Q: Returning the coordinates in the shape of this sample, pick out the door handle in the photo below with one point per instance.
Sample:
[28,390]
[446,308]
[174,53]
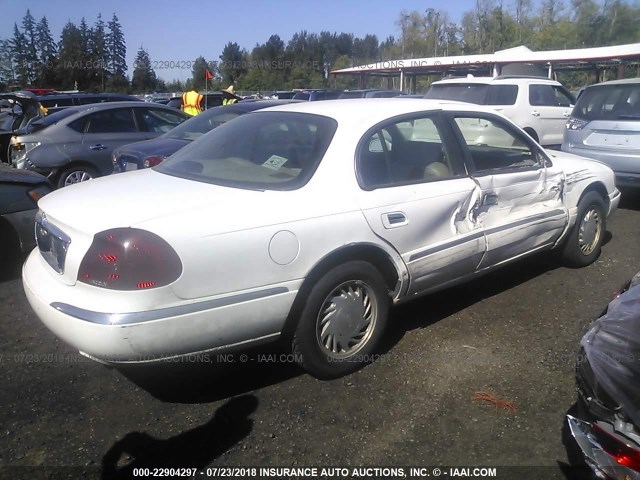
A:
[490,199]
[98,146]
[566,114]
[535,113]
[394,219]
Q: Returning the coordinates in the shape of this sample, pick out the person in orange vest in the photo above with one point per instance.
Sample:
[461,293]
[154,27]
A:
[229,96]
[192,102]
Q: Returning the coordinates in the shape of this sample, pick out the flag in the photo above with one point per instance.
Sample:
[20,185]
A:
[208,75]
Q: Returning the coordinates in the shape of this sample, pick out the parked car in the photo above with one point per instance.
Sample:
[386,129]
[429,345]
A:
[606,422]
[17,111]
[315,95]
[56,101]
[538,105]
[150,153]
[19,193]
[76,144]
[370,93]
[304,222]
[605,125]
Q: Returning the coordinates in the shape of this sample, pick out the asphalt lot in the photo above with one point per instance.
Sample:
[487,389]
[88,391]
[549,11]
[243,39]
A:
[514,333]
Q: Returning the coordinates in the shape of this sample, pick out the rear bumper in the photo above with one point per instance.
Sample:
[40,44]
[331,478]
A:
[123,336]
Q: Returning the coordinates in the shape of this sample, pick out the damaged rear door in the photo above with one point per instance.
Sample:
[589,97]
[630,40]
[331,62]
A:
[521,208]
[416,195]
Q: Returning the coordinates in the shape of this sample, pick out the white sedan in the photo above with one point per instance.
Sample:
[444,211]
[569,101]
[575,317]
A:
[305,222]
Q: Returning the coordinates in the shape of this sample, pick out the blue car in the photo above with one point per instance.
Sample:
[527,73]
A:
[150,153]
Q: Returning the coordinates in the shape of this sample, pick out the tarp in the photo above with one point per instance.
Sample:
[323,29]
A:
[612,346]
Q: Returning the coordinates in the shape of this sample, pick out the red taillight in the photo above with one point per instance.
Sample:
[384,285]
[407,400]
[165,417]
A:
[129,259]
[152,161]
[620,451]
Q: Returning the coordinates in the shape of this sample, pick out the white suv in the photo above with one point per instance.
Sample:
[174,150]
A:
[540,106]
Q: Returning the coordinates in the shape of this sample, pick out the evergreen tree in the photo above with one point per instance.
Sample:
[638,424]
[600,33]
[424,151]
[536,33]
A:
[144,77]
[99,54]
[19,56]
[47,55]
[232,67]
[116,53]
[199,68]
[7,72]
[71,58]
[30,52]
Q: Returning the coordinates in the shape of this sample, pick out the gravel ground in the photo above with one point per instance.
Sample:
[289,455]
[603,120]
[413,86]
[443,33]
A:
[514,333]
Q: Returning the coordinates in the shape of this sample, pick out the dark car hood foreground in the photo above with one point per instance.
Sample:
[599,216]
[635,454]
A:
[9,174]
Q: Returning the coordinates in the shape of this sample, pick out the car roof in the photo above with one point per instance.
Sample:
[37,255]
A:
[373,110]
[110,105]
[624,81]
[488,80]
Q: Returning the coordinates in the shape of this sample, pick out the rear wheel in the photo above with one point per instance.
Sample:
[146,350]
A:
[76,174]
[342,321]
[584,243]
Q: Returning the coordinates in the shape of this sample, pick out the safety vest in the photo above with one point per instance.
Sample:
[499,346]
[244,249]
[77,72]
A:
[191,102]
[229,101]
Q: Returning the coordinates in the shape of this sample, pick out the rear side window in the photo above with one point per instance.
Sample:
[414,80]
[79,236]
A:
[502,95]
[549,96]
[112,121]
[609,102]
[403,152]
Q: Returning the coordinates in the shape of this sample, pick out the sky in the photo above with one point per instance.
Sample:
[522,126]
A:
[179,32]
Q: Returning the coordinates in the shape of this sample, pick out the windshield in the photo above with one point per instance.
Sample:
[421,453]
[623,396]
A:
[263,151]
[201,124]
[609,102]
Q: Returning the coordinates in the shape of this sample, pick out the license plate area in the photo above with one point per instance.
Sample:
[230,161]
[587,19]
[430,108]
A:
[52,242]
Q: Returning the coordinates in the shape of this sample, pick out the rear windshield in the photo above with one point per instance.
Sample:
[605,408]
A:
[478,93]
[54,117]
[609,102]
[260,151]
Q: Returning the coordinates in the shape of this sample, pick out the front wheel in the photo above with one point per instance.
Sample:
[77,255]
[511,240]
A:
[76,174]
[342,321]
[584,243]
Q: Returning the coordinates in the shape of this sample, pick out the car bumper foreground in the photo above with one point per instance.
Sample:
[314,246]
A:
[216,324]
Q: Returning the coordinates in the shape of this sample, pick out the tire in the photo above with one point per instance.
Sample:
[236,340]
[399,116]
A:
[342,321]
[584,243]
[76,174]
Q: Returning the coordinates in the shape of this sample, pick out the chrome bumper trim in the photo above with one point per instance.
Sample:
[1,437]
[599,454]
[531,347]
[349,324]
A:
[105,318]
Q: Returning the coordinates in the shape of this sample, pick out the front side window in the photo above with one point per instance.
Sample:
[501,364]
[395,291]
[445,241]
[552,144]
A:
[262,151]
[403,152]
[112,121]
[494,146]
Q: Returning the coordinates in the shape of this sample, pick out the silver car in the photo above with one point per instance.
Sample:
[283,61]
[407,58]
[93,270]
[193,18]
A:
[76,144]
[605,125]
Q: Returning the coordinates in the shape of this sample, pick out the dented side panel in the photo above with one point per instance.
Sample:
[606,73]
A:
[431,225]
[520,211]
